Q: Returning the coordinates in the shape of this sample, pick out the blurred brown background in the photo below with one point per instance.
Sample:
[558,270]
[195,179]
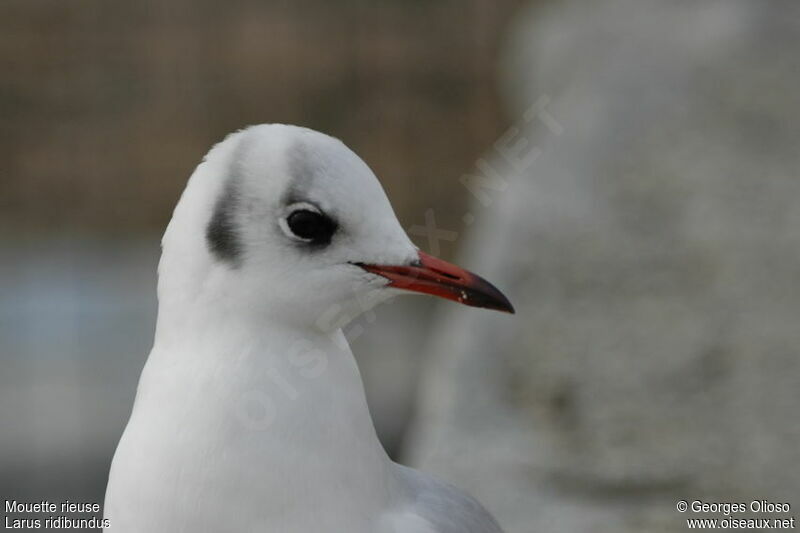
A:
[106,107]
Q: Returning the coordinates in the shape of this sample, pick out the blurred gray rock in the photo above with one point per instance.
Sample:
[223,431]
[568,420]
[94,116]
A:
[652,250]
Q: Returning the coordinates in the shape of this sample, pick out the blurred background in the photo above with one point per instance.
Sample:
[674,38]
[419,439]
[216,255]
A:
[625,170]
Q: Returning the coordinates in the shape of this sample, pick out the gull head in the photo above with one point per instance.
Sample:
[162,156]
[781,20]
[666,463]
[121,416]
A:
[288,222]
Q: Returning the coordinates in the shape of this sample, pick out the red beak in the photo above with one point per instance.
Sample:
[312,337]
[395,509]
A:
[440,278]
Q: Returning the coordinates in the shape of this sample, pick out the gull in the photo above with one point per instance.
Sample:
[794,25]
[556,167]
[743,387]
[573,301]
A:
[250,414]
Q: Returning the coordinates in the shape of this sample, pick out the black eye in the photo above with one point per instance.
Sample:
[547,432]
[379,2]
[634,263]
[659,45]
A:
[311,226]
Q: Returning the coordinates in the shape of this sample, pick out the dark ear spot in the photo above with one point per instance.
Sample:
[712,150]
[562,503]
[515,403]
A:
[221,232]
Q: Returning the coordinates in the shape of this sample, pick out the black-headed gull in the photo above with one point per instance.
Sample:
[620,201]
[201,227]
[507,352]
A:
[250,414]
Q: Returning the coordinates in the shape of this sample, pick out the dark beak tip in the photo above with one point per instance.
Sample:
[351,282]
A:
[487,297]
[502,304]
[490,297]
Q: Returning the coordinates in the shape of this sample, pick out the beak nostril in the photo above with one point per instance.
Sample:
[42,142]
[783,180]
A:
[447,274]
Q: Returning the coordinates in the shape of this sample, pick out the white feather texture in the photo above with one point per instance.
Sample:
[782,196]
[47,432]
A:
[250,414]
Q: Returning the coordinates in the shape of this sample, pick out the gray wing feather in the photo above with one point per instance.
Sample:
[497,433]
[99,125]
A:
[447,508]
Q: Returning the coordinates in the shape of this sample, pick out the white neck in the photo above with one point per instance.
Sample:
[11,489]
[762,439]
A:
[276,415]
[242,403]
